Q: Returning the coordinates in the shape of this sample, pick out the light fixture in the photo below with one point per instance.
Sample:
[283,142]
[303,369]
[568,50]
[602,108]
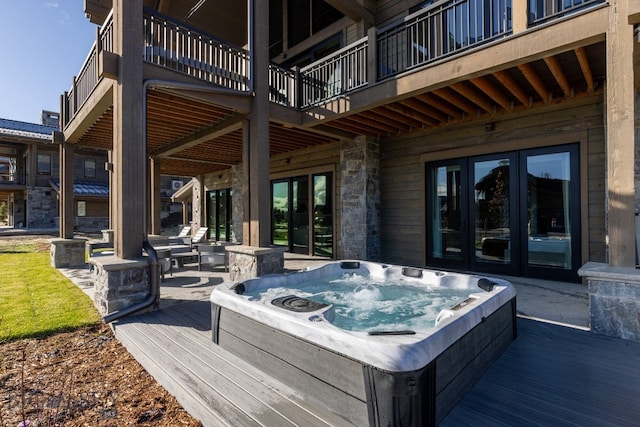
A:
[488,127]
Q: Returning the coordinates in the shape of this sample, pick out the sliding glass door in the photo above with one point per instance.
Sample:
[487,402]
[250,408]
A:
[513,213]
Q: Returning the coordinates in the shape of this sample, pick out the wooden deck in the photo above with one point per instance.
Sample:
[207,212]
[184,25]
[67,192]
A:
[550,375]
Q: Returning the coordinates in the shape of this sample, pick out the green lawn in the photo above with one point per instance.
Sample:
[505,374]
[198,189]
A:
[35,298]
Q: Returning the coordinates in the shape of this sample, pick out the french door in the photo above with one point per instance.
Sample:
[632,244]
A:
[302,212]
[514,213]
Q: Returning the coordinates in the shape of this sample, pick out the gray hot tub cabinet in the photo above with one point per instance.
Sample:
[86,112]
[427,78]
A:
[358,392]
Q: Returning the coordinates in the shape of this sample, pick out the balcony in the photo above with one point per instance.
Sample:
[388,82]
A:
[423,38]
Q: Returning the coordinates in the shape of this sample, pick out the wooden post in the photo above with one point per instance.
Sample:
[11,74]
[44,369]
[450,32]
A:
[520,12]
[128,147]
[258,178]
[372,55]
[66,191]
[154,193]
[620,136]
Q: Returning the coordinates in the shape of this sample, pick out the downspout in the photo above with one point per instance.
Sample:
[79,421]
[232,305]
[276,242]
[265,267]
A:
[154,297]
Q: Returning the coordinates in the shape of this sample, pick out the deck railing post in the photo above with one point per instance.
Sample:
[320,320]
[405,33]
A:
[372,55]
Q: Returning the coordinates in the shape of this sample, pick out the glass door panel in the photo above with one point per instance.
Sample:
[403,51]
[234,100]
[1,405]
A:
[492,210]
[212,220]
[300,214]
[280,212]
[446,244]
[549,210]
[323,215]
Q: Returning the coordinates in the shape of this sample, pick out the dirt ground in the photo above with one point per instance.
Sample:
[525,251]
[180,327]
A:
[81,378]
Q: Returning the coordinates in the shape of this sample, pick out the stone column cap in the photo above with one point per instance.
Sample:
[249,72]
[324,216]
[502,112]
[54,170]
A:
[255,250]
[605,271]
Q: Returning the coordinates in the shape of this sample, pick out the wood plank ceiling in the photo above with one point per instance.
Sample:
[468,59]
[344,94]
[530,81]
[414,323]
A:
[190,138]
[569,75]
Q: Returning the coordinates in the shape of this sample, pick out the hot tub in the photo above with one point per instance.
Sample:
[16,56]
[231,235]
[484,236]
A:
[380,375]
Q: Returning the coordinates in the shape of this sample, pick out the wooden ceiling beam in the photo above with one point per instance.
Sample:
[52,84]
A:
[559,75]
[485,85]
[228,125]
[440,104]
[512,86]
[535,81]
[372,114]
[383,127]
[425,109]
[392,113]
[475,96]
[456,100]
[340,124]
[412,114]
[581,54]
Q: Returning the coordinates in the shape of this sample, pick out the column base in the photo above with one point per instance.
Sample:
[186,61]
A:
[614,300]
[247,262]
[119,283]
[67,253]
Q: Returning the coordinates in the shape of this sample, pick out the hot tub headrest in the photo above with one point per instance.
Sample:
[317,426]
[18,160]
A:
[486,284]
[350,265]
[416,273]
[239,288]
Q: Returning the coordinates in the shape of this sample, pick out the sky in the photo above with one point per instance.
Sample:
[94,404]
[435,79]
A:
[43,44]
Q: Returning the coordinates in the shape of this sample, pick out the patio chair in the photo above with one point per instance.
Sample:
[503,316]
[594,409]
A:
[164,259]
[213,255]
[185,231]
[200,235]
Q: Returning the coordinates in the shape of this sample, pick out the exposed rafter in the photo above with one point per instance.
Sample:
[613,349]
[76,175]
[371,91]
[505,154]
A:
[536,82]
[558,74]
[581,54]
[512,86]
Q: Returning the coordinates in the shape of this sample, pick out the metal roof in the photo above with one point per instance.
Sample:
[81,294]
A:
[84,188]
[27,130]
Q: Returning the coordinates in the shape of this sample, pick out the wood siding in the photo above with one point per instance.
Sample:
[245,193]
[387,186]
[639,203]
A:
[402,209]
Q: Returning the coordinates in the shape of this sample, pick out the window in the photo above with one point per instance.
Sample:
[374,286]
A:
[89,168]
[219,215]
[44,164]
[82,208]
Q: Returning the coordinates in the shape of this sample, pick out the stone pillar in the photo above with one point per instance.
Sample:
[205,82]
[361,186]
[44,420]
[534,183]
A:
[197,205]
[65,253]
[247,262]
[236,203]
[119,283]
[360,199]
[614,300]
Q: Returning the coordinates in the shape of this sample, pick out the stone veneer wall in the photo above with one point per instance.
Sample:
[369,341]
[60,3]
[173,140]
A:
[247,262]
[42,207]
[360,199]
[614,300]
[236,203]
[119,283]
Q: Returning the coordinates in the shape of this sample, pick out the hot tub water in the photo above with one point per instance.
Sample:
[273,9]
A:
[373,304]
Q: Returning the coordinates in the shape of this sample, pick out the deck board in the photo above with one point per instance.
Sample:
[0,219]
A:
[175,346]
[550,375]
[555,375]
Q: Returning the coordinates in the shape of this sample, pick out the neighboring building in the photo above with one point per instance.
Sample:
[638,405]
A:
[494,136]
[29,178]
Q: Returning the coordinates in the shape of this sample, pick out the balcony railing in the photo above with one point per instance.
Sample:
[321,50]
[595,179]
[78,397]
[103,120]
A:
[185,50]
[428,35]
[541,11]
[87,78]
[440,31]
[342,72]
